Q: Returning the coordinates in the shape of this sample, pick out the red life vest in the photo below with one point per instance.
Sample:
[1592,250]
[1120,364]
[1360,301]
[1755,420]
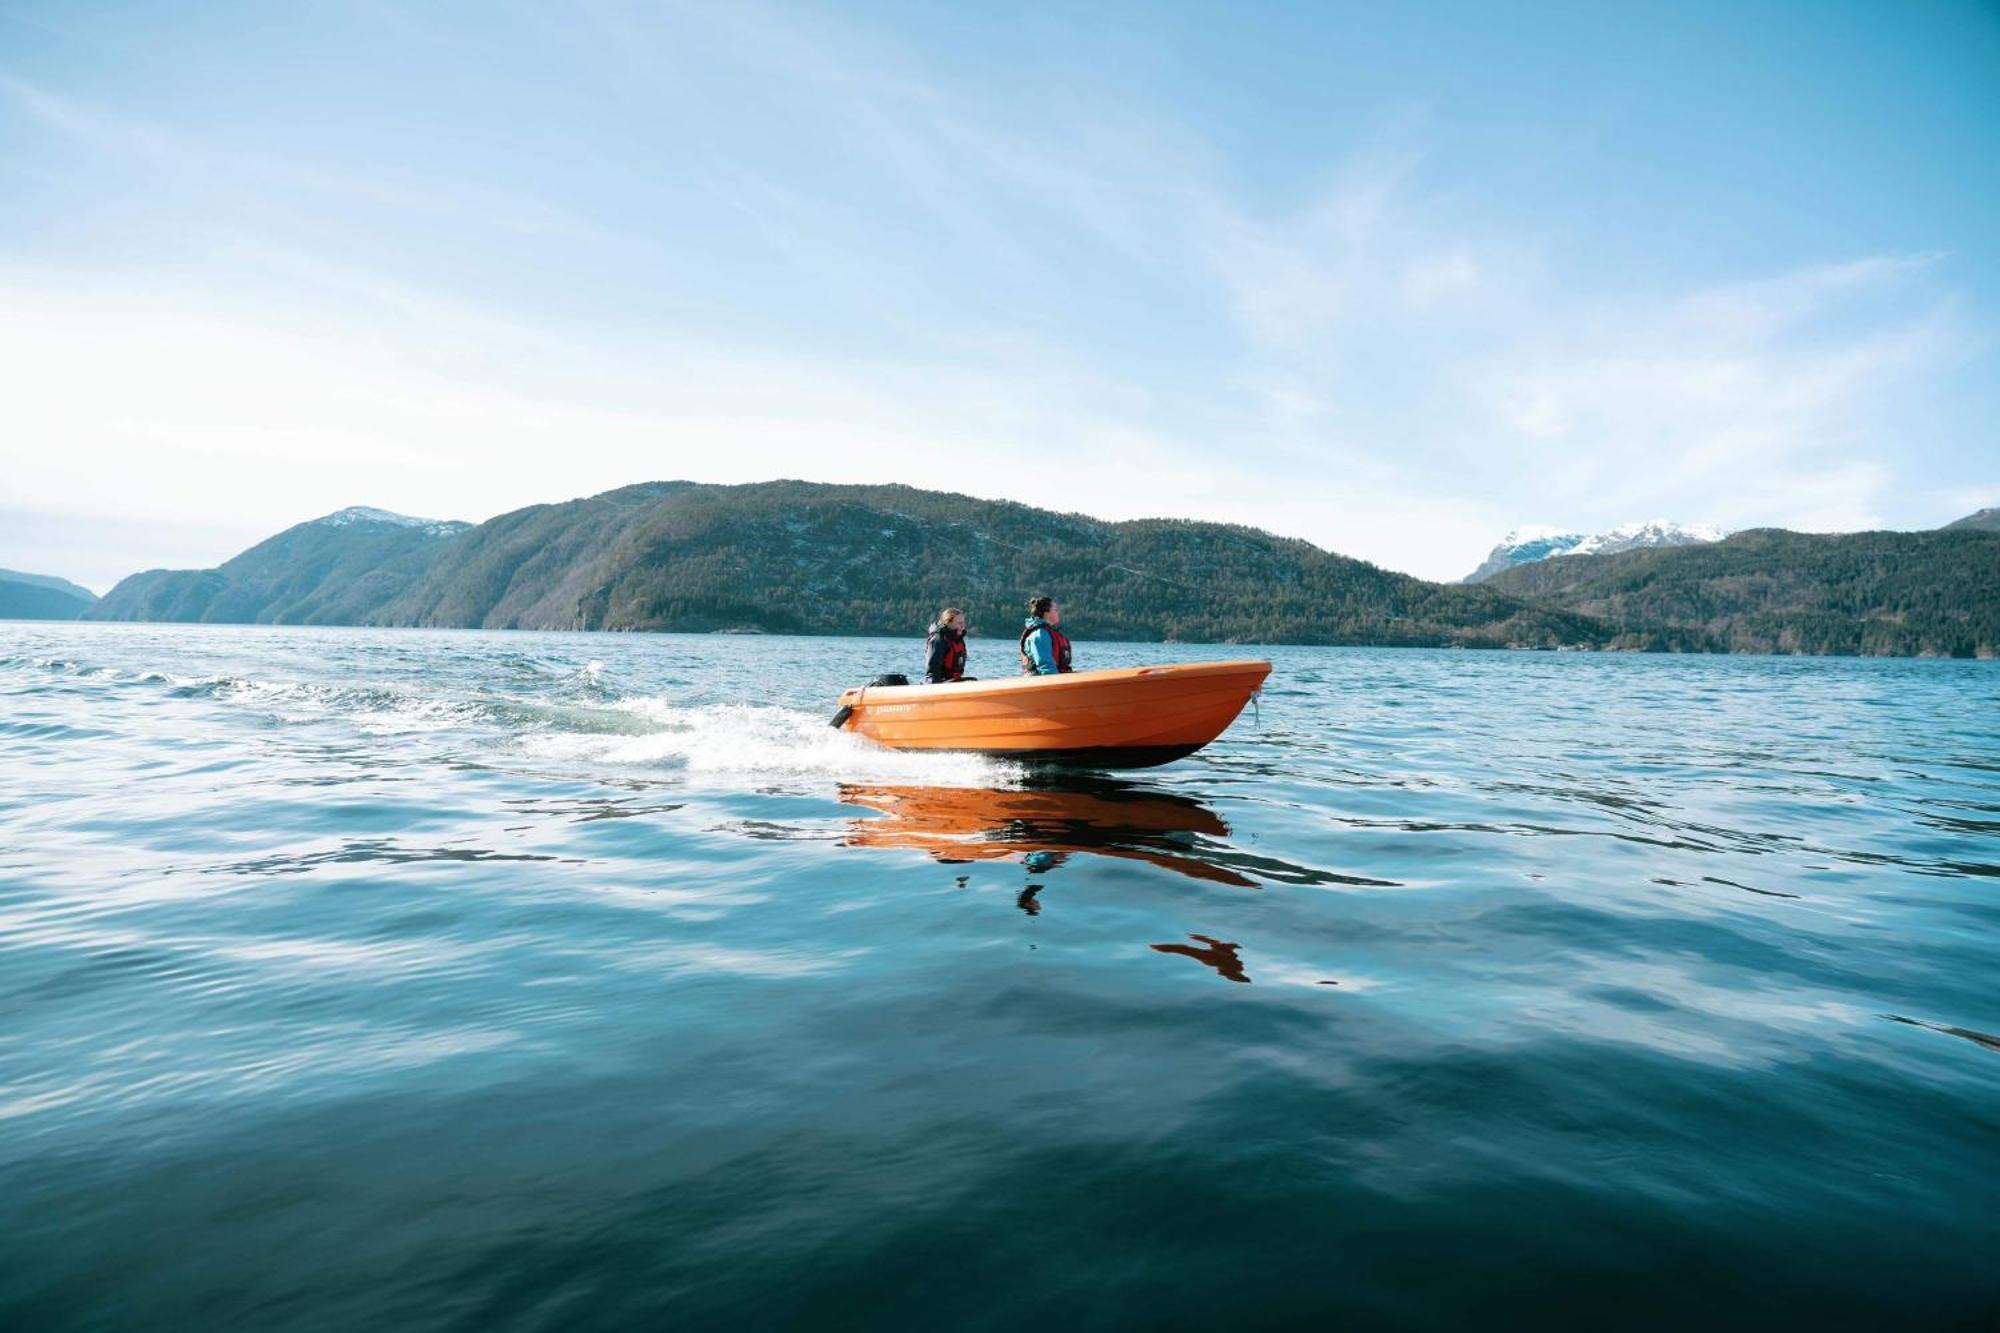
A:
[952,667]
[1058,646]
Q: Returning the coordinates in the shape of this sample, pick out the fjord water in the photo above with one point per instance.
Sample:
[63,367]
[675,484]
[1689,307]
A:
[378,979]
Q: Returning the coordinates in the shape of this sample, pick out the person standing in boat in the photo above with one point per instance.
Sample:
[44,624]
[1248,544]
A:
[1044,649]
[944,647]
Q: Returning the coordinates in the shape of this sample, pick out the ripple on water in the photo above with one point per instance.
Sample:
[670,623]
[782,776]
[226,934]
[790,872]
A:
[596,979]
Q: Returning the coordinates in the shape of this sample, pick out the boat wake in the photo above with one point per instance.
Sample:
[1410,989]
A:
[577,718]
[751,739]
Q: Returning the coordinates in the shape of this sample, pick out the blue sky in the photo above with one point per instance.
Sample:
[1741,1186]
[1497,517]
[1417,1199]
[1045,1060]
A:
[1392,278]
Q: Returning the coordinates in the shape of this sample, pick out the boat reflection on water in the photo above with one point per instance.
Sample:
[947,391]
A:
[1043,826]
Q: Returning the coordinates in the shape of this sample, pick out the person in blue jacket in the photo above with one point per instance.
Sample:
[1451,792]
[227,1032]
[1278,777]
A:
[1044,649]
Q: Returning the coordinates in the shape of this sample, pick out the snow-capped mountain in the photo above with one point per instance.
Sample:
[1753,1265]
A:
[353,514]
[1525,545]
[1646,532]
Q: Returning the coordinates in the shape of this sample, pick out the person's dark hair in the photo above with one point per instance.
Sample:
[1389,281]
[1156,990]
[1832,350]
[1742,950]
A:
[1039,606]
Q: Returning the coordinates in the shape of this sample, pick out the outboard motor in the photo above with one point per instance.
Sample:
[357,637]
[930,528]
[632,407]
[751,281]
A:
[844,712]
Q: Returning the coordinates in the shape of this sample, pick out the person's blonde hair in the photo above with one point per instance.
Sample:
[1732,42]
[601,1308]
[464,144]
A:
[949,614]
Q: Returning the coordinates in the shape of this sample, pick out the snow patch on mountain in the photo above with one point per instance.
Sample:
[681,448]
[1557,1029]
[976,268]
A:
[366,514]
[1522,545]
[1986,520]
[1533,542]
[1536,532]
[1646,532]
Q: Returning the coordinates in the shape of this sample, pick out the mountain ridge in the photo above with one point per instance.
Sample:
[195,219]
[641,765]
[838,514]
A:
[1769,590]
[805,557]
[25,596]
[325,571]
[813,558]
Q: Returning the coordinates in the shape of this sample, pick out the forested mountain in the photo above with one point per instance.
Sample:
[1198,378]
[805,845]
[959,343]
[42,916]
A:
[799,557]
[330,571]
[41,597]
[1772,591]
[1987,520]
[806,558]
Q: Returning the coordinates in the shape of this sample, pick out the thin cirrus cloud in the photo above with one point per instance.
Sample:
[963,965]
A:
[737,244]
[1765,402]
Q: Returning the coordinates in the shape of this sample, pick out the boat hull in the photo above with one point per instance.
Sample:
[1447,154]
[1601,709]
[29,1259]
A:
[1128,717]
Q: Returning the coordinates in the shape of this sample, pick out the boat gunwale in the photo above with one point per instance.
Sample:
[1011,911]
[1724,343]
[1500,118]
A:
[1067,681]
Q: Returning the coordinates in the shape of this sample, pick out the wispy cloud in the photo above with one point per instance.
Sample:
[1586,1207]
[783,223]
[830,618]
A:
[797,248]
[1752,403]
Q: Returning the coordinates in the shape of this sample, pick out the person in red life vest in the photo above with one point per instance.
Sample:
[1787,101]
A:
[1044,649]
[944,645]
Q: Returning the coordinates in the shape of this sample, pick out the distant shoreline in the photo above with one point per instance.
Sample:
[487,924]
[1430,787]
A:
[1083,644]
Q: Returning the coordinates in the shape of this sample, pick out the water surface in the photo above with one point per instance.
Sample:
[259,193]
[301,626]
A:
[474,980]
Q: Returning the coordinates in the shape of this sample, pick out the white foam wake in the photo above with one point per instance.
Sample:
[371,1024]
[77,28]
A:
[580,720]
[756,740]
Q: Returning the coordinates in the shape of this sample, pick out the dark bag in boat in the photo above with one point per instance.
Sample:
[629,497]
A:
[893,678]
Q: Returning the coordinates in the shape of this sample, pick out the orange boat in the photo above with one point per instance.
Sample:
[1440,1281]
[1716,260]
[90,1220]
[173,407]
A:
[1127,717]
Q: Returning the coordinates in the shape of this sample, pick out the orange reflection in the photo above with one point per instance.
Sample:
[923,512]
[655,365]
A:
[1220,955]
[1041,826]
